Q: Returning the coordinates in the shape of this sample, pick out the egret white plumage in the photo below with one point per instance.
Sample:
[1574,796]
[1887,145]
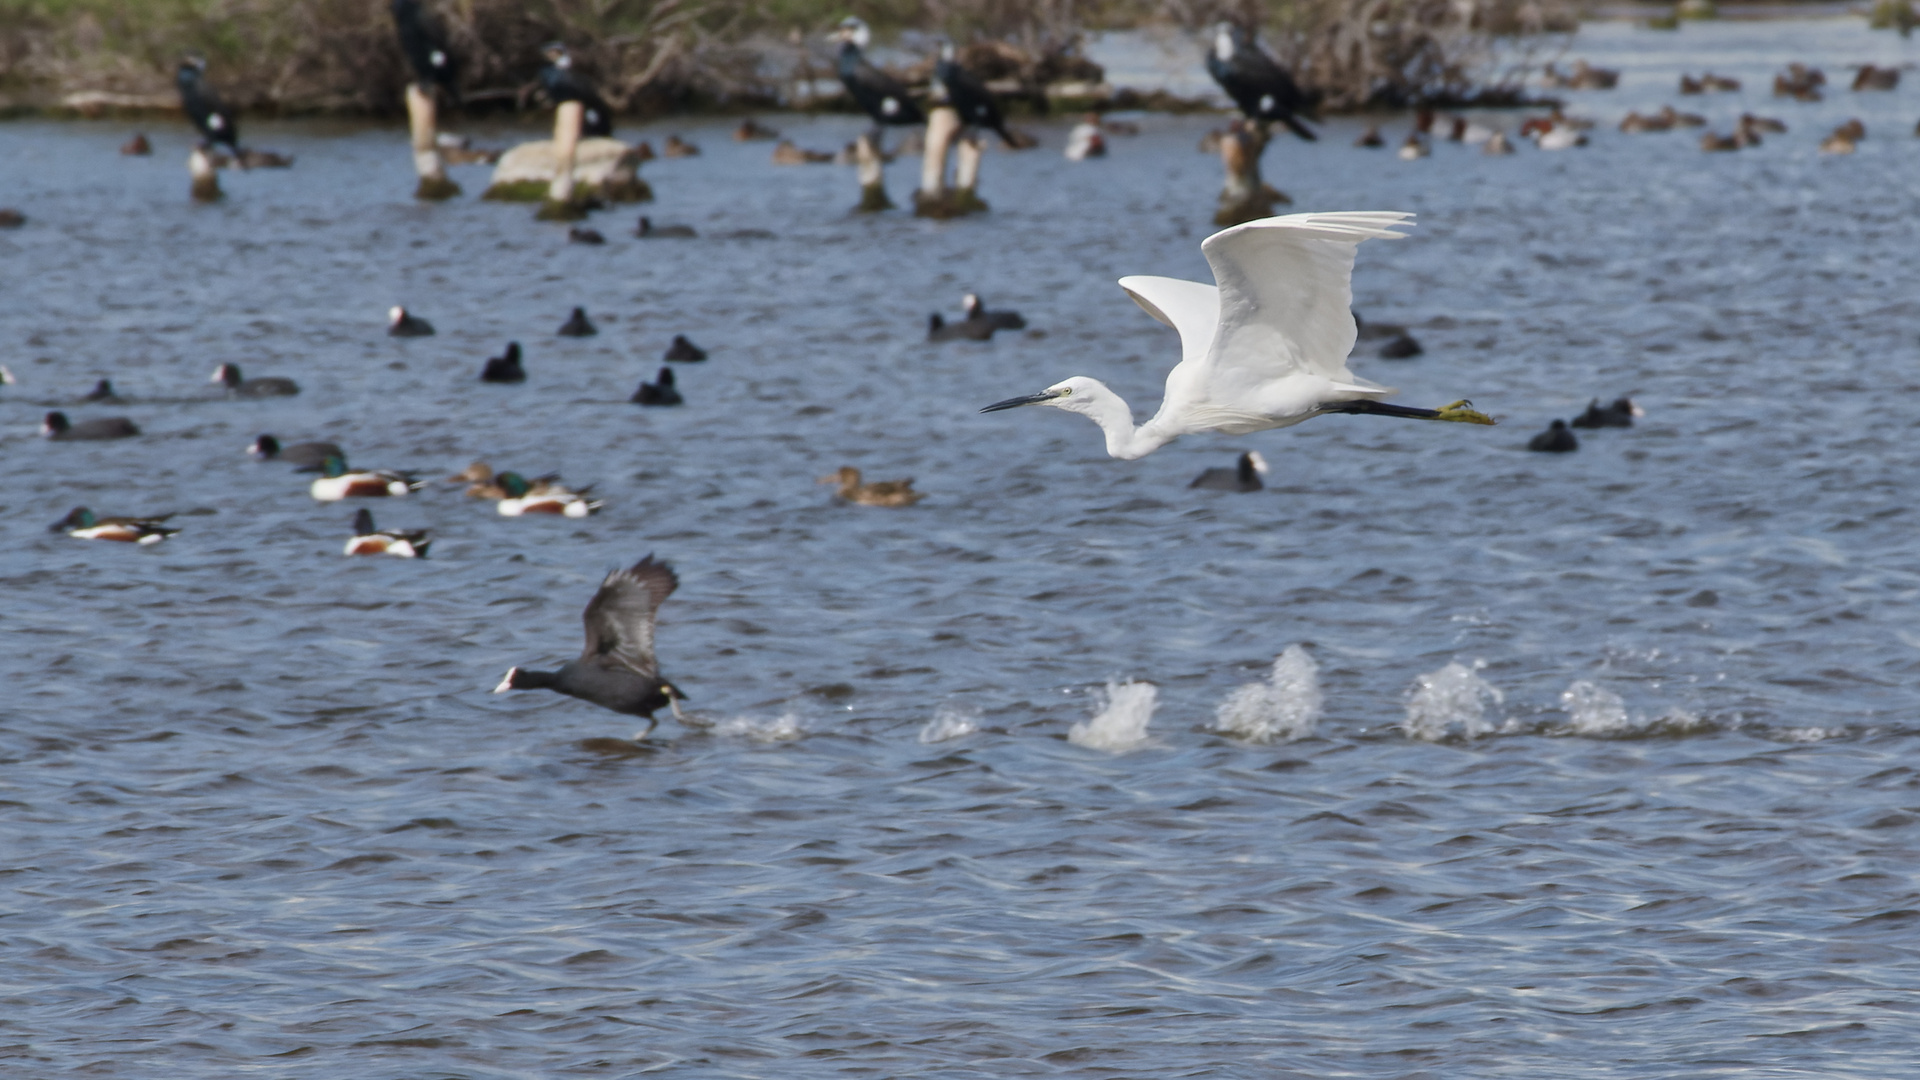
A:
[1264,348]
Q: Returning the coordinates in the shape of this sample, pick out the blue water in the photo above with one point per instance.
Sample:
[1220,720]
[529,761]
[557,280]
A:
[262,816]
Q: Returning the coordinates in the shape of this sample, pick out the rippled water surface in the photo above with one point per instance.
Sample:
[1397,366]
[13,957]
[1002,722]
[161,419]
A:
[1586,765]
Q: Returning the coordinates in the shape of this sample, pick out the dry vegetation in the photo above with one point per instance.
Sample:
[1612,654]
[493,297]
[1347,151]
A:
[656,55]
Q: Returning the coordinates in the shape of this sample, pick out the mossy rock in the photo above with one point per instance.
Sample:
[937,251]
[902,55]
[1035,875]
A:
[1664,22]
[873,199]
[435,189]
[1697,9]
[574,209]
[518,191]
[947,204]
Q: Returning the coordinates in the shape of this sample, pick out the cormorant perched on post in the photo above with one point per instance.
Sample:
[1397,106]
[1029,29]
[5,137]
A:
[968,96]
[561,83]
[1261,88]
[424,41]
[214,120]
[883,96]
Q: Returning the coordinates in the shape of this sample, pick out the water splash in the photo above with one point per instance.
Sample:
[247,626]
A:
[1285,707]
[1451,702]
[783,728]
[1595,710]
[1121,723]
[950,722]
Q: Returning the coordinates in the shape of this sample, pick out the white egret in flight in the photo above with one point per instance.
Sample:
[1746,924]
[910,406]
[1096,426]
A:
[1265,348]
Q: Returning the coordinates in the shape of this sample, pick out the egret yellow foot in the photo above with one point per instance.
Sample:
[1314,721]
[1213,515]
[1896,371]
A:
[1462,412]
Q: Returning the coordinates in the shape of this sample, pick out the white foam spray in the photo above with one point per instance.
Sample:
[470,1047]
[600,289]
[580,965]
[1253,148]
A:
[1121,723]
[783,728]
[950,722]
[1452,701]
[1285,707]
[1595,710]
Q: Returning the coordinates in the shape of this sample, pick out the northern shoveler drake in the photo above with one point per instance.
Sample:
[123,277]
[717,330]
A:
[81,523]
[228,375]
[544,496]
[337,482]
[617,669]
[402,544]
[878,493]
[57,427]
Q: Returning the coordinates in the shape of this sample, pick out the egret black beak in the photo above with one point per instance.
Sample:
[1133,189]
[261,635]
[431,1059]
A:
[1040,398]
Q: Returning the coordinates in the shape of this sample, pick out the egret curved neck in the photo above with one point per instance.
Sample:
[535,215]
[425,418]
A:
[1115,417]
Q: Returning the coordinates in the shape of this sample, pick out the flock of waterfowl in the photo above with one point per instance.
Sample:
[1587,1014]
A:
[1226,383]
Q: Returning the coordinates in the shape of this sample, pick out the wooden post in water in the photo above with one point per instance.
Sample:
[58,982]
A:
[873,176]
[427,164]
[932,200]
[560,204]
[1244,196]
[966,174]
[206,179]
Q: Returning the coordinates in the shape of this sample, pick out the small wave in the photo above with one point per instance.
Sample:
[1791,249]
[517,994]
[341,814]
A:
[1451,703]
[1121,723]
[784,728]
[1285,707]
[950,722]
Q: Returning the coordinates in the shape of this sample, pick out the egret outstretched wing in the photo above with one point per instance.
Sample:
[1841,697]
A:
[1188,306]
[1286,298]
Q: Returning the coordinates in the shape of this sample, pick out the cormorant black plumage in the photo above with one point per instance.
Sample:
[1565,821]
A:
[214,121]
[424,41]
[1261,88]
[880,94]
[560,83]
[968,95]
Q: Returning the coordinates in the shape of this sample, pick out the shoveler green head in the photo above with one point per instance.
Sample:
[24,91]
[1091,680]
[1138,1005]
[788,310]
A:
[515,485]
[334,466]
[78,518]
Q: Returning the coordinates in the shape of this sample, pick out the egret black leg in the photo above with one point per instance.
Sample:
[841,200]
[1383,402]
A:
[1460,412]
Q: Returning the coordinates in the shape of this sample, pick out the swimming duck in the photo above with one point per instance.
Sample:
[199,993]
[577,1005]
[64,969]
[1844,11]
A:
[102,392]
[11,218]
[228,375]
[660,391]
[751,130]
[543,496]
[939,329]
[1002,320]
[337,482]
[1618,414]
[402,544]
[1244,476]
[1557,439]
[647,230]
[1841,141]
[57,427]
[1414,148]
[878,493]
[617,669]
[1750,122]
[1876,78]
[138,146]
[789,153]
[683,351]
[1799,82]
[403,323]
[581,235]
[1561,137]
[81,523]
[480,481]
[505,368]
[1085,140]
[578,325]
[1369,139]
[1497,144]
[307,456]
[676,147]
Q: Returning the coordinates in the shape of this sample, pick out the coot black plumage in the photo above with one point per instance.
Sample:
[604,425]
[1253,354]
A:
[56,426]
[403,323]
[1243,476]
[683,351]
[308,456]
[1557,439]
[617,670]
[578,325]
[505,368]
[1618,414]
[660,391]
[228,375]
